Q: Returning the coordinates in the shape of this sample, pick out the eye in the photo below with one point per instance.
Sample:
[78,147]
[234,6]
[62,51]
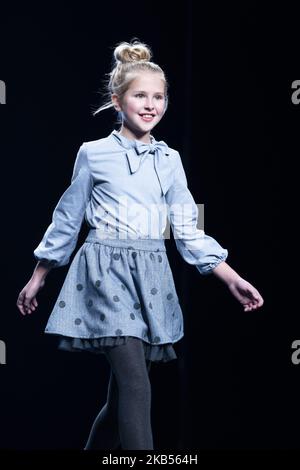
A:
[160,97]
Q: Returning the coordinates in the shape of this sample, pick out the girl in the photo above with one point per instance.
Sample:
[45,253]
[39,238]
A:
[119,297]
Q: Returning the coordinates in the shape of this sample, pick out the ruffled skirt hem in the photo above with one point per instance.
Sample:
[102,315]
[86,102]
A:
[153,352]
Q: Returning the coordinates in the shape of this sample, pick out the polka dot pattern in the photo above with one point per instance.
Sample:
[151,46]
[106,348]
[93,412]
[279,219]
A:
[106,299]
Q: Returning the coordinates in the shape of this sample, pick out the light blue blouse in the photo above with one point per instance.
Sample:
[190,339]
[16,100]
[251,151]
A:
[128,189]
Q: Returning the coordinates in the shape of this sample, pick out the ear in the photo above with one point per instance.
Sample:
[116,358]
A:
[116,102]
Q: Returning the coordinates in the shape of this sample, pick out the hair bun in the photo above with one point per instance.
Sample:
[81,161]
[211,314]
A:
[132,52]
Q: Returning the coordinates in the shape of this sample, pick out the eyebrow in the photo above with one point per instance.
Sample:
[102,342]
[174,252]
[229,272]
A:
[142,91]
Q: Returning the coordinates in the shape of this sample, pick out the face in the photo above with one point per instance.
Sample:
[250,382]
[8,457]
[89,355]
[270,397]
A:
[142,105]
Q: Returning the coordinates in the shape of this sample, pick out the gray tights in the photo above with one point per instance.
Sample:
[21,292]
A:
[125,419]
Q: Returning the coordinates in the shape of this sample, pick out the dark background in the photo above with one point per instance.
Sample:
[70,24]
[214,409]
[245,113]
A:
[230,69]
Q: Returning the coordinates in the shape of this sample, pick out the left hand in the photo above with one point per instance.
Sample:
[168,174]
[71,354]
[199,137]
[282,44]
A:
[246,294]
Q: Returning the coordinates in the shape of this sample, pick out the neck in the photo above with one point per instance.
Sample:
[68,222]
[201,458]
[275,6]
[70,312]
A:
[144,137]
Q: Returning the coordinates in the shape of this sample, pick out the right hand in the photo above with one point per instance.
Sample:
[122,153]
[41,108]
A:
[27,302]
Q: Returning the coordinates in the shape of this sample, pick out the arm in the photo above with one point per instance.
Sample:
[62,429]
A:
[61,236]
[241,289]
[200,249]
[225,273]
[196,247]
[26,301]
[41,271]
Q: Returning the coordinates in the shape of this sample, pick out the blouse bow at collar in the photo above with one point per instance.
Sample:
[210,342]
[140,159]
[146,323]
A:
[137,151]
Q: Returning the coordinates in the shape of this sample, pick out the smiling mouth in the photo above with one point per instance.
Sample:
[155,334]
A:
[147,117]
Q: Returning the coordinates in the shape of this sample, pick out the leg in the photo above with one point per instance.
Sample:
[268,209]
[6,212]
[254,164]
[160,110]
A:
[134,398]
[104,433]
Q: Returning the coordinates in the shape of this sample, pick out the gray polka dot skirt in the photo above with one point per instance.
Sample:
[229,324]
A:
[116,288]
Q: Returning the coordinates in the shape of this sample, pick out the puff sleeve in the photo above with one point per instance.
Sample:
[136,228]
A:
[61,236]
[195,247]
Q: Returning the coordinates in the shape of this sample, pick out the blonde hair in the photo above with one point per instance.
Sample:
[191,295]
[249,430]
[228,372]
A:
[128,60]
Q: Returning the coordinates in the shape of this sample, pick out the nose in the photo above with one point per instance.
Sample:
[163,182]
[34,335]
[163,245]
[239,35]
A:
[149,105]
